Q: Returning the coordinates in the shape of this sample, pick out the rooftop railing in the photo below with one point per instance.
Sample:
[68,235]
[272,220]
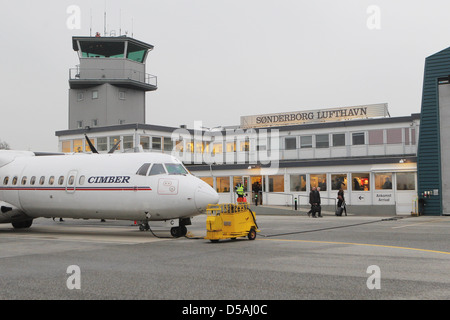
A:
[112,74]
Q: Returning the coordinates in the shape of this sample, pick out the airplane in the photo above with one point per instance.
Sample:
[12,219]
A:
[123,186]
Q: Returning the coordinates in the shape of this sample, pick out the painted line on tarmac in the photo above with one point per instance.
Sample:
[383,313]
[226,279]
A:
[359,244]
[129,240]
[419,223]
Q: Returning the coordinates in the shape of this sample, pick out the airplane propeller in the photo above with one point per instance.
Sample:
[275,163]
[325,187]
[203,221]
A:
[91,145]
[114,148]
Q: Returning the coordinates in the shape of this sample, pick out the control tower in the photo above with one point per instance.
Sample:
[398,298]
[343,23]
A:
[108,86]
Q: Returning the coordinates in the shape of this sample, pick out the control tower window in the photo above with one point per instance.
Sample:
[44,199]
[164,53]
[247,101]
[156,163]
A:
[102,49]
[136,53]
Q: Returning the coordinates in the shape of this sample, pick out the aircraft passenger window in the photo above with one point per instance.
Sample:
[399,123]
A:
[71,180]
[42,180]
[14,182]
[33,180]
[24,180]
[81,181]
[51,180]
[61,180]
[5,181]
[175,168]
[143,169]
[156,169]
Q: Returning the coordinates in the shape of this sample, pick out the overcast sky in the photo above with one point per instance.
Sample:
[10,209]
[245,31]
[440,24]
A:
[219,59]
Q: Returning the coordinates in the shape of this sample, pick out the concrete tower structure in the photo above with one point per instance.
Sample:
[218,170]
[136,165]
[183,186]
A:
[108,86]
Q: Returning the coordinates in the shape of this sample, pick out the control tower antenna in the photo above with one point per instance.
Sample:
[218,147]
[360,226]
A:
[90,25]
[104,21]
[120,22]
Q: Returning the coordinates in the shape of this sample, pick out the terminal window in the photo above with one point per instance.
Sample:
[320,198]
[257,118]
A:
[338,139]
[361,181]
[231,146]
[410,136]
[358,138]
[245,145]
[156,143]
[179,146]
[223,184]
[78,145]
[306,142]
[383,181]
[322,141]
[67,146]
[145,142]
[298,182]
[394,135]
[339,181]
[128,142]
[290,143]
[406,181]
[375,137]
[318,180]
[168,144]
[102,144]
[113,141]
[217,148]
[199,146]
[276,183]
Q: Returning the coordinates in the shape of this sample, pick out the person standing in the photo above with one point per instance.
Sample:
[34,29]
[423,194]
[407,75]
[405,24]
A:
[341,201]
[314,200]
[319,207]
[311,201]
[240,192]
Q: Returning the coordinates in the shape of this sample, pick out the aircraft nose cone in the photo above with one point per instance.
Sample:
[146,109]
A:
[205,195]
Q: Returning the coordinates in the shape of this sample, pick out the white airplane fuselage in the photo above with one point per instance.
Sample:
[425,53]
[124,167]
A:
[99,186]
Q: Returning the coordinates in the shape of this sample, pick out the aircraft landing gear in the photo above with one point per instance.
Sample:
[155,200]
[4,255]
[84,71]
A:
[144,226]
[24,224]
[181,230]
[178,232]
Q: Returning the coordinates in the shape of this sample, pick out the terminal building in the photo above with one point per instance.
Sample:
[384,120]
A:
[278,157]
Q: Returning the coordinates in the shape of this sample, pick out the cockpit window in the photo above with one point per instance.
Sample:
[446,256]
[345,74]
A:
[157,168]
[175,168]
[143,169]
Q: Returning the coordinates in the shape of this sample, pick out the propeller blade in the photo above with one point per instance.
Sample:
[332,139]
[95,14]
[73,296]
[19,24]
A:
[114,148]
[91,145]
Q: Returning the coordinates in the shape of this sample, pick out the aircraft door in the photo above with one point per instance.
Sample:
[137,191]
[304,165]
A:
[71,181]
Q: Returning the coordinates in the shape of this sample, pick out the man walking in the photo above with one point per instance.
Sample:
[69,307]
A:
[314,201]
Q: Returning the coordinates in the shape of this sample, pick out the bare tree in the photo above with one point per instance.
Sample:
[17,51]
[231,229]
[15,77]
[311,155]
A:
[4,145]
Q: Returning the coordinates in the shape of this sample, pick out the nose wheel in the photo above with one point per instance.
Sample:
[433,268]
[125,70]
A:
[178,232]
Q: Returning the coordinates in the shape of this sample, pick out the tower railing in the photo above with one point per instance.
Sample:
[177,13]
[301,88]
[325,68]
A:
[105,74]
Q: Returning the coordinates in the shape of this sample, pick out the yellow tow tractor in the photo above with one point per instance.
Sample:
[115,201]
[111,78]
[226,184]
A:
[230,221]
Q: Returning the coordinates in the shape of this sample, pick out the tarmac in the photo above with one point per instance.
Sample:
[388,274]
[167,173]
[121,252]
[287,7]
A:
[293,258]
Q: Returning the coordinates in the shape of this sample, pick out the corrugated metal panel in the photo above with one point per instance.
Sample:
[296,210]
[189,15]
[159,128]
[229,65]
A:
[429,153]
